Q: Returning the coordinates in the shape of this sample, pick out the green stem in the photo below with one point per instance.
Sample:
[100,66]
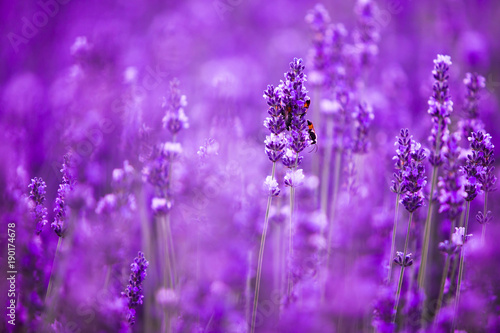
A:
[261,257]
[290,240]
[427,233]
[49,288]
[461,269]
[325,177]
[401,275]
[338,157]
[393,242]
[441,289]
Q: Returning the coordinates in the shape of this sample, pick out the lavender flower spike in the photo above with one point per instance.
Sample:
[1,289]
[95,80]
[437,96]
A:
[175,119]
[134,289]
[37,196]
[440,107]
[60,209]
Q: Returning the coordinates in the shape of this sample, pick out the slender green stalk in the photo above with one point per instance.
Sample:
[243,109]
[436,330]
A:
[443,281]
[427,233]
[401,275]
[325,174]
[393,242]
[461,269]
[338,157]
[290,240]
[49,288]
[261,257]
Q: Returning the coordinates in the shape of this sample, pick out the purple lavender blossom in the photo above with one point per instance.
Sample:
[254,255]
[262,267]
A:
[175,118]
[37,196]
[440,108]
[134,291]
[414,178]
[479,167]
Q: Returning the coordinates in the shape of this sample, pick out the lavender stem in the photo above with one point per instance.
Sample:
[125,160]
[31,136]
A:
[400,283]
[460,270]
[261,256]
[393,242]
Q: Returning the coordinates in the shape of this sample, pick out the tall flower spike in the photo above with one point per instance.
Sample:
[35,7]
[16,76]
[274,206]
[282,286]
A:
[367,35]
[440,107]
[60,209]
[134,289]
[403,142]
[473,84]
[37,196]
[293,99]
[319,55]
[363,117]
[175,119]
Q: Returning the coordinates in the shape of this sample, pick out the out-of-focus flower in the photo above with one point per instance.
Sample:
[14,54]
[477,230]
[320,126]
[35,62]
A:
[363,117]
[133,292]
[37,196]
[448,247]
[175,118]
[294,178]
[210,147]
[451,195]
[160,205]
[459,237]
[271,186]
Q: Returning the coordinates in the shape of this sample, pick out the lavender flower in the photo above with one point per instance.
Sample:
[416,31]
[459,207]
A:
[414,178]
[175,119]
[271,185]
[479,167]
[294,178]
[37,196]
[440,107]
[403,142]
[60,209]
[293,98]
[474,83]
[134,289]
[406,262]
[319,20]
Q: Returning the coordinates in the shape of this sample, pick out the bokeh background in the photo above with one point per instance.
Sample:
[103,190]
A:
[90,76]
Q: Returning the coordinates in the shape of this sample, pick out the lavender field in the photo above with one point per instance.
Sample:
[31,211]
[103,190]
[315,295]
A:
[249,166]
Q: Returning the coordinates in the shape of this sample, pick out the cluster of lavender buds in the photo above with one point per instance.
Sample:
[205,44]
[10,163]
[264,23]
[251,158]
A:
[287,106]
[402,260]
[414,178]
[479,167]
[37,196]
[451,184]
[60,209]
[133,292]
[403,143]
[440,108]
[175,119]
